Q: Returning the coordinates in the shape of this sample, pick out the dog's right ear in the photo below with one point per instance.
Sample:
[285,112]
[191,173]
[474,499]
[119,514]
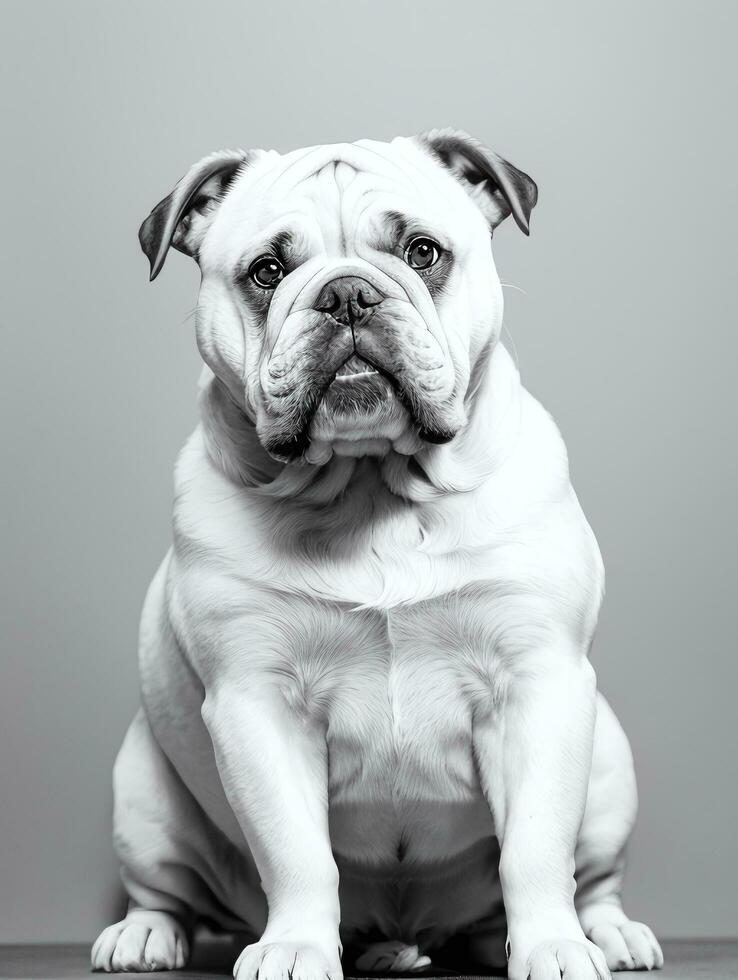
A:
[182,218]
[496,186]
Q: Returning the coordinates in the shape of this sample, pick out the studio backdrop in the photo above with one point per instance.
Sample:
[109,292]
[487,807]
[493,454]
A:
[619,309]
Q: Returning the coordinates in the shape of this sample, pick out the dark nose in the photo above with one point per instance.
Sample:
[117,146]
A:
[348,299]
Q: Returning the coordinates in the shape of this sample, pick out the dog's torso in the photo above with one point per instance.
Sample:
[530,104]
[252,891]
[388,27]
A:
[392,624]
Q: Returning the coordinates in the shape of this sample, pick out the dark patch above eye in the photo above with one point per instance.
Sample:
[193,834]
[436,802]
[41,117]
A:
[398,225]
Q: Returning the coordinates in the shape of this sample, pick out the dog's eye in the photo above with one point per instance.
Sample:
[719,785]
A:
[422,253]
[266,272]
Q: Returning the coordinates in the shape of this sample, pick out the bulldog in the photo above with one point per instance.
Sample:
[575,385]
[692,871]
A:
[368,715]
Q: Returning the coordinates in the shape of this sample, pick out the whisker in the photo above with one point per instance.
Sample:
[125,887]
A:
[509,285]
[513,348]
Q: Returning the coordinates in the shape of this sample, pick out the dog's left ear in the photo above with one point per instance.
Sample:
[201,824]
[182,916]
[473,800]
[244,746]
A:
[182,218]
[496,186]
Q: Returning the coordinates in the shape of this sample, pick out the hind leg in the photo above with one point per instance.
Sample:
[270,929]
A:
[154,935]
[144,941]
[167,850]
[600,856]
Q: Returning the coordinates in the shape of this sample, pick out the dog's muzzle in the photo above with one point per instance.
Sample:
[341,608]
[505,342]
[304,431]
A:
[373,343]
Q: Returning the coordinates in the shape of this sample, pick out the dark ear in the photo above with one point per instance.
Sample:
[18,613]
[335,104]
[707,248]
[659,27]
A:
[182,219]
[496,186]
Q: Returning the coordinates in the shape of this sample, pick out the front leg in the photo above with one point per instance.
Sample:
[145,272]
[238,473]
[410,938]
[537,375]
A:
[273,765]
[535,752]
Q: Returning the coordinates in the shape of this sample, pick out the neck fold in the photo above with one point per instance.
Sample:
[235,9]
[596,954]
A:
[493,405]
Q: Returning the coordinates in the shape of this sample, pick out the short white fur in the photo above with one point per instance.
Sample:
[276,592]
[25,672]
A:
[368,708]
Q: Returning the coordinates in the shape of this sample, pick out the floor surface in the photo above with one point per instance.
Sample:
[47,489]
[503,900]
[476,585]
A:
[703,960]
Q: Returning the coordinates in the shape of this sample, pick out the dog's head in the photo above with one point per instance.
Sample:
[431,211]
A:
[347,290]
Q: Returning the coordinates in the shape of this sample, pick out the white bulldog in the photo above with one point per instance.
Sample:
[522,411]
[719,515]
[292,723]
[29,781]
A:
[368,714]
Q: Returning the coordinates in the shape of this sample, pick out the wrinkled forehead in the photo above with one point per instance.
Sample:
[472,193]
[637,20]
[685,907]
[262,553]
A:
[397,164]
[343,186]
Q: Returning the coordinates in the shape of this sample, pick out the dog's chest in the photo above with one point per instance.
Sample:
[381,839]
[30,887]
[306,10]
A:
[397,710]
[398,701]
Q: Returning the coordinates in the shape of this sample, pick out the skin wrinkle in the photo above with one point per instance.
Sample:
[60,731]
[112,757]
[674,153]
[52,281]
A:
[419,172]
[284,226]
[355,152]
[275,345]
[344,208]
[346,176]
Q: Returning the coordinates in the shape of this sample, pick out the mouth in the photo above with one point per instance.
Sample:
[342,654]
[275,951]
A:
[363,405]
[364,400]
[357,389]
[354,367]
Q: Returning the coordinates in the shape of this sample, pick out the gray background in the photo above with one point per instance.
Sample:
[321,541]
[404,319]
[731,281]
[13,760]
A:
[623,112]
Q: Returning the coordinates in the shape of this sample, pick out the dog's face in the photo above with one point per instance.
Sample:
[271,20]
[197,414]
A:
[348,290]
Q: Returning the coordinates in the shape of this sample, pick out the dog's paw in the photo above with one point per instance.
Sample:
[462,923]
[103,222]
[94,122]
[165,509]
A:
[286,961]
[142,942]
[628,945]
[552,960]
[392,957]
